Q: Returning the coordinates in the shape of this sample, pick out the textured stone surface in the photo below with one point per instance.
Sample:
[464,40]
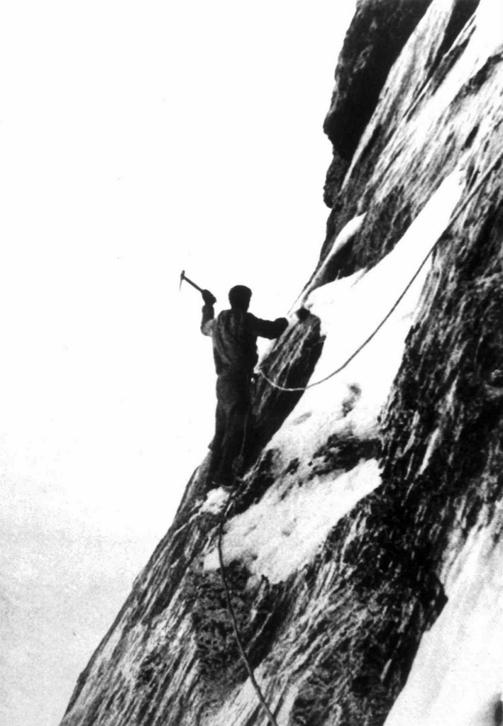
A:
[333,643]
[378,33]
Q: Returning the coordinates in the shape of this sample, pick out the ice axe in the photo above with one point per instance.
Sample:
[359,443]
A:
[183,277]
[204,293]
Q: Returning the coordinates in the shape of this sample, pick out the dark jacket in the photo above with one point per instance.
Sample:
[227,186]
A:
[234,333]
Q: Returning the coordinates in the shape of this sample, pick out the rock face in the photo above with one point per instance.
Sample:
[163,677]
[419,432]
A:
[378,34]
[367,532]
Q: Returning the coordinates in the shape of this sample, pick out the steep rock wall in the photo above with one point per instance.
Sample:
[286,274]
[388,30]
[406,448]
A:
[377,35]
[365,492]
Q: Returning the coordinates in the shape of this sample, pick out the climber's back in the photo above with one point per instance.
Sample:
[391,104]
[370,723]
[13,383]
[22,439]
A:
[235,332]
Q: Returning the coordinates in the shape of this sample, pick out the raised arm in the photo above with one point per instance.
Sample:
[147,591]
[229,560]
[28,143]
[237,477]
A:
[208,312]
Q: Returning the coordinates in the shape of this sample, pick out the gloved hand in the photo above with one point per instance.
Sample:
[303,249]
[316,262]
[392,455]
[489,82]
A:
[302,314]
[208,297]
[282,324]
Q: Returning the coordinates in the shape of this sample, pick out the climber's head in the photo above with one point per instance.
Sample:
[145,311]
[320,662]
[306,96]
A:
[239,297]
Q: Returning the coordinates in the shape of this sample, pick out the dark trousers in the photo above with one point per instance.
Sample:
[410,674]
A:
[231,422]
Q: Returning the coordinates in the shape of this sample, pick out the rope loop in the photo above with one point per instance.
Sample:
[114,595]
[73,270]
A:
[301,389]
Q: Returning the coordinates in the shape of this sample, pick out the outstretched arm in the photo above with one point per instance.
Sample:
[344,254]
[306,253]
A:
[269,328]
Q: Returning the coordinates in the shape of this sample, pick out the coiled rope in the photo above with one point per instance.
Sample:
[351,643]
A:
[390,312]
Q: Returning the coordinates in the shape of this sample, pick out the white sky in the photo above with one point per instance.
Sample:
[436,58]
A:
[136,139]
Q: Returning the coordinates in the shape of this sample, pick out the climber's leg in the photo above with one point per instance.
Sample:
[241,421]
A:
[235,398]
[216,444]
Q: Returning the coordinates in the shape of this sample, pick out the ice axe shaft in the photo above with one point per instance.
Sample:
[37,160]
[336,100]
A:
[183,277]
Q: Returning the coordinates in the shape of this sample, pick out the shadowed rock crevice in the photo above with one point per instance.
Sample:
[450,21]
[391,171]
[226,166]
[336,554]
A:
[290,363]
[262,477]
[359,193]
[362,643]
[442,401]
[258,609]
[482,76]
[461,12]
[377,34]
[344,453]
[385,224]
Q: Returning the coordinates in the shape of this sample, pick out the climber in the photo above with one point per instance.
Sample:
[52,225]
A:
[234,333]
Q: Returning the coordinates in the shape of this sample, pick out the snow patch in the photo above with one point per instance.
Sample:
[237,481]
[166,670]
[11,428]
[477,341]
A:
[346,234]
[215,501]
[283,531]
[349,310]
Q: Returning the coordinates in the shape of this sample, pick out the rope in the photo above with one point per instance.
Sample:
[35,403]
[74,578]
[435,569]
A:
[270,716]
[228,597]
[232,613]
[372,335]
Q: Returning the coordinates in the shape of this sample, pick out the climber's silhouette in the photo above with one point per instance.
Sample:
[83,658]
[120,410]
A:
[234,333]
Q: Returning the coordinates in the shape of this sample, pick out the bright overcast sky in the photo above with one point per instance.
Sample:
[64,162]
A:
[136,139]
